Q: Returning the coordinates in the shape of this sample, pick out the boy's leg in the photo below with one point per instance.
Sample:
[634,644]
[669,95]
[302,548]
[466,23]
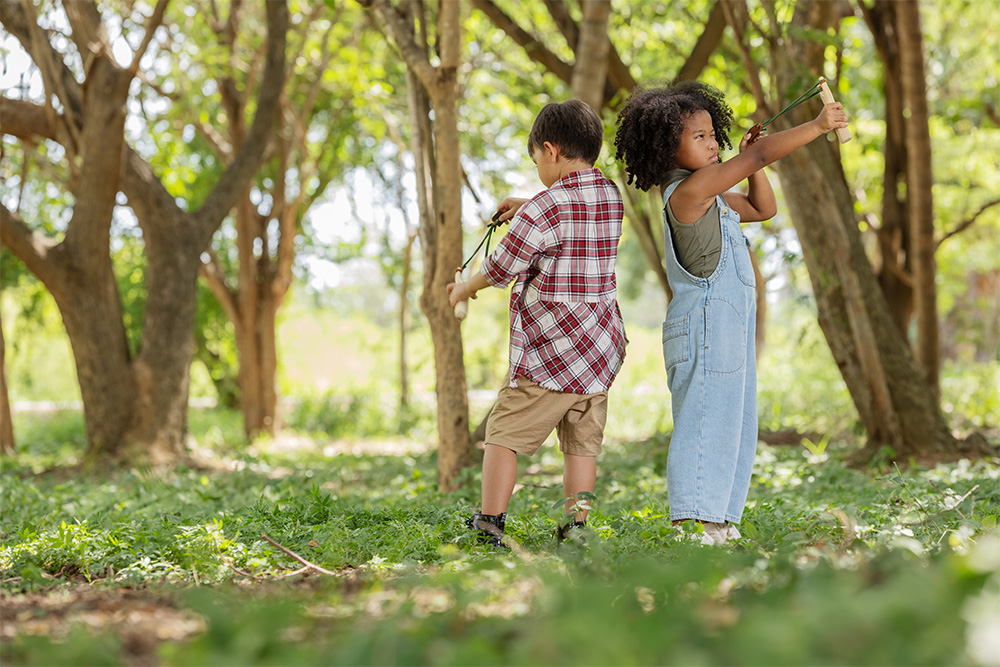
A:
[499,475]
[579,474]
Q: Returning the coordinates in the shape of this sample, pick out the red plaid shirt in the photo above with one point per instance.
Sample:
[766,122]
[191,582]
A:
[566,332]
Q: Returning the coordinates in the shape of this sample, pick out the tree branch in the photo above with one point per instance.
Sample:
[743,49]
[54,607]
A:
[299,558]
[154,22]
[737,15]
[248,156]
[402,35]
[26,120]
[89,33]
[215,278]
[30,247]
[968,222]
[707,42]
[20,21]
[532,46]
[618,76]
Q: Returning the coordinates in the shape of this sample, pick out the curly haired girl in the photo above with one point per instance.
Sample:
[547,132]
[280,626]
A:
[670,137]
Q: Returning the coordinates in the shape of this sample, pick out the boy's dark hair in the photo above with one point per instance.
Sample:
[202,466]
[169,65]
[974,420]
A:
[572,126]
[651,122]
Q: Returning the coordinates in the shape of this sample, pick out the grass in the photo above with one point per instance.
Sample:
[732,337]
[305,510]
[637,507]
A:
[836,565]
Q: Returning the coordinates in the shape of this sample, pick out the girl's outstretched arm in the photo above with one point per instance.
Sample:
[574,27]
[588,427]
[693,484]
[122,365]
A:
[695,195]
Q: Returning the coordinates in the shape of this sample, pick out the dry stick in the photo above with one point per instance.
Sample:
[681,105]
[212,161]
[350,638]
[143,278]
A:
[286,575]
[960,500]
[298,557]
[237,570]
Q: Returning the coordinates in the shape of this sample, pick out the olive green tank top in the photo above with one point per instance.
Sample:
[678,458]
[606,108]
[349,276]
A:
[698,244]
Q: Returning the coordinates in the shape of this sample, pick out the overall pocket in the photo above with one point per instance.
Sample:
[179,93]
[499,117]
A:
[725,337]
[676,341]
[741,258]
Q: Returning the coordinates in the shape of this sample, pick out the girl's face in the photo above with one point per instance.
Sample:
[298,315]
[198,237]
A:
[698,145]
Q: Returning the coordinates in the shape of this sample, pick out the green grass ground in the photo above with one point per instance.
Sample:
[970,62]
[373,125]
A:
[836,566]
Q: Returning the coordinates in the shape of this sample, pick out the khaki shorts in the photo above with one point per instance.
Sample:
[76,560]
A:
[524,417]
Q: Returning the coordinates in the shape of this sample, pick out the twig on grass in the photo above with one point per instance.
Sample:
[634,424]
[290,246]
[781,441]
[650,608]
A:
[299,558]
[286,575]
[237,570]
[960,500]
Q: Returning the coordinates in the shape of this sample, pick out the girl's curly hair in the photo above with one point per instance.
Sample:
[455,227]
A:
[650,125]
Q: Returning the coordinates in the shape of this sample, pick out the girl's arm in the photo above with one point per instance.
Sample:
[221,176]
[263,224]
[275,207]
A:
[696,193]
[758,204]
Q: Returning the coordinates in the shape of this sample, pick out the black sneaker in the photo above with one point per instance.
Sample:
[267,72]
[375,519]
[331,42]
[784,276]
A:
[564,533]
[490,528]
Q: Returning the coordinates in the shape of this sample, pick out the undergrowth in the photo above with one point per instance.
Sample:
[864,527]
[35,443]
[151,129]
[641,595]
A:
[835,566]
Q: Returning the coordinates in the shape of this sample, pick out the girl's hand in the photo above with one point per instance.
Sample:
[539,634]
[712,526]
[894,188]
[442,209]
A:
[831,117]
[749,138]
[508,207]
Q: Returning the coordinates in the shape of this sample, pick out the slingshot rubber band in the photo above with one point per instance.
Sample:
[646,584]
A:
[808,95]
[462,307]
[490,228]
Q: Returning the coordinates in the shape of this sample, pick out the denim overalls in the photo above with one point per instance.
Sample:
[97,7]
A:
[708,351]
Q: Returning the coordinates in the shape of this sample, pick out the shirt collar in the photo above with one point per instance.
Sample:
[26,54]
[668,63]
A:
[577,178]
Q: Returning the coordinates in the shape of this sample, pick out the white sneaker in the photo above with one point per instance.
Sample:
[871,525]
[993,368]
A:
[715,533]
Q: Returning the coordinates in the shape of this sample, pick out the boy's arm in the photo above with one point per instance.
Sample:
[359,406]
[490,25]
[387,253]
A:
[695,194]
[759,203]
[527,237]
[466,290]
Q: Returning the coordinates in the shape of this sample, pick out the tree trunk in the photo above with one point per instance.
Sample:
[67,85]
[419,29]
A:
[6,425]
[893,234]
[255,335]
[454,451]
[404,319]
[440,211]
[590,70]
[895,404]
[133,408]
[919,182]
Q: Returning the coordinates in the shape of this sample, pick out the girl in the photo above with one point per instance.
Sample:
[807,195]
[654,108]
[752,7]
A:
[670,137]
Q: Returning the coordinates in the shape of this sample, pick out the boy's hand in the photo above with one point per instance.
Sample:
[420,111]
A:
[458,292]
[508,207]
[831,117]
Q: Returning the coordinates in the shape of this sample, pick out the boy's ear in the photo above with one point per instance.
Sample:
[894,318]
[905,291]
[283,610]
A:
[553,151]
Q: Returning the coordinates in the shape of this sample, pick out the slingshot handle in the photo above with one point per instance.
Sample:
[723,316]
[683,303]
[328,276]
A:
[462,307]
[824,94]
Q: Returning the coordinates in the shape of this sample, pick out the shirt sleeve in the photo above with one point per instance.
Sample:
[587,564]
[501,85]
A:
[530,237]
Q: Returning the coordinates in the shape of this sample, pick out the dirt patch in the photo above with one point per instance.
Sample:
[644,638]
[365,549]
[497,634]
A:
[142,619]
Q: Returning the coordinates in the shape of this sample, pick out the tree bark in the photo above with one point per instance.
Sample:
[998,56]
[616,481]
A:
[7,443]
[895,404]
[441,222]
[134,408]
[919,181]
[590,69]
[893,234]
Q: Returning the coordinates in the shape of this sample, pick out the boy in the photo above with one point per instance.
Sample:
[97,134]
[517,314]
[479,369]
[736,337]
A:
[567,338]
